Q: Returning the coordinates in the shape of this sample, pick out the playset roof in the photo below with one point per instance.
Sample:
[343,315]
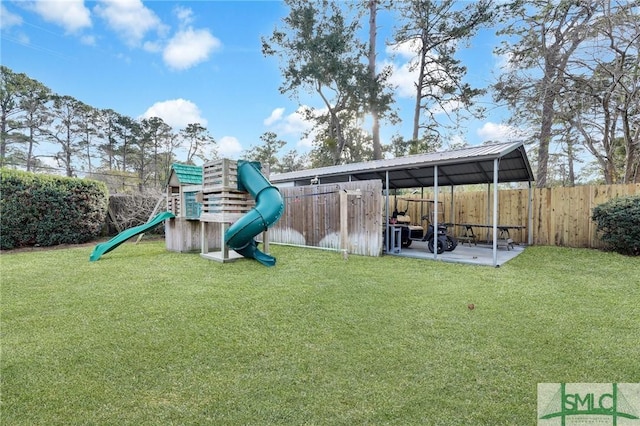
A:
[187,174]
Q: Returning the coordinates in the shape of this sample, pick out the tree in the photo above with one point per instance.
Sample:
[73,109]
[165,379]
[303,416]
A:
[292,161]
[129,132]
[167,157]
[198,139]
[435,29]
[546,37]
[371,66]
[12,88]
[88,125]
[107,125]
[35,116]
[155,134]
[266,153]
[380,96]
[604,96]
[320,52]
[66,131]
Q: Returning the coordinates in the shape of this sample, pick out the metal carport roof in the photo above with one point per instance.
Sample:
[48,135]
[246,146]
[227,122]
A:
[457,167]
[490,164]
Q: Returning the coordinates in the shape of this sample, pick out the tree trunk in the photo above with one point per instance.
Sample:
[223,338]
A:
[417,108]
[3,141]
[373,106]
[570,164]
[548,101]
[631,147]
[30,150]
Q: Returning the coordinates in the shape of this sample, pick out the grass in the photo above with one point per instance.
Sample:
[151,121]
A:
[145,336]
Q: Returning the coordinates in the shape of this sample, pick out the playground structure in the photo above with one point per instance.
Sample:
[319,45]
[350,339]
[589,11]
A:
[242,203]
[222,205]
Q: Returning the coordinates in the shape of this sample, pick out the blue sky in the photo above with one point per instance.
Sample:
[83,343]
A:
[197,61]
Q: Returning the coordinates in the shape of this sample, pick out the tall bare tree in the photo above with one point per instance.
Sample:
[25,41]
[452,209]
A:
[89,126]
[546,37]
[36,117]
[605,95]
[156,134]
[12,88]
[371,66]
[66,131]
[128,131]
[435,30]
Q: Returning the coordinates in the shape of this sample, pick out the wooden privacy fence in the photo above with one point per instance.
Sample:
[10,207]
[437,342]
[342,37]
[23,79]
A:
[344,216]
[561,216]
[315,215]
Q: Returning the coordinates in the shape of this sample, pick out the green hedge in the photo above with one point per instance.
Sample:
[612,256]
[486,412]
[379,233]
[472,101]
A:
[618,222]
[49,210]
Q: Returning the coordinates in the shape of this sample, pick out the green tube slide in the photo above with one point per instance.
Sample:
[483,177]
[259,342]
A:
[268,209]
[106,247]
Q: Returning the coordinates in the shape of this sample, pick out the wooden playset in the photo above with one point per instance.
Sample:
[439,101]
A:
[205,201]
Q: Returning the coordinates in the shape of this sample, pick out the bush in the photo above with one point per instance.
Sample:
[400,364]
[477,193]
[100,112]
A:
[618,221]
[127,210]
[49,210]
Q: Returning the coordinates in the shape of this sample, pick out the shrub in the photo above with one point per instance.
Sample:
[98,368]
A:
[127,210]
[49,210]
[618,222]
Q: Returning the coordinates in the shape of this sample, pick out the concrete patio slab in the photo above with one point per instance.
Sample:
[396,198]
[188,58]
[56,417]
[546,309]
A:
[481,254]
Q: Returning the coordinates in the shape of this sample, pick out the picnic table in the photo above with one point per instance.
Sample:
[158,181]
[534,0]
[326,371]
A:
[470,235]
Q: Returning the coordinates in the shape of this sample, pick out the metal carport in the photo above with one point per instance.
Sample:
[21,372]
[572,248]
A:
[483,164]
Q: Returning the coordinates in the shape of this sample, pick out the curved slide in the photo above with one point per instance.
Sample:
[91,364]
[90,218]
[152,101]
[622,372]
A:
[106,247]
[268,209]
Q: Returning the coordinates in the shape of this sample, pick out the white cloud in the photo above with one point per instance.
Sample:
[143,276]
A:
[189,47]
[89,40]
[407,49]
[295,125]
[457,141]
[229,147]
[72,15]
[296,122]
[403,75]
[184,15]
[500,132]
[152,46]
[8,19]
[503,62]
[176,112]
[129,18]
[403,78]
[275,116]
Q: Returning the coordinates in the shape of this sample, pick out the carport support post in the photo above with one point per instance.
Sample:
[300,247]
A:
[530,214]
[495,212]
[387,243]
[435,212]
[452,217]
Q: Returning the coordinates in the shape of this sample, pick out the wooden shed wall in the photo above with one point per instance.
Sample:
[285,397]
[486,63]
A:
[561,215]
[312,217]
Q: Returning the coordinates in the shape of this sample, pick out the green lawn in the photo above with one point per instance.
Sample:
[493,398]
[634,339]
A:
[147,337]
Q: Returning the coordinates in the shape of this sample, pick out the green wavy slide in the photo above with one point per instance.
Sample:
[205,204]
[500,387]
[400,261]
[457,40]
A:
[106,247]
[268,209]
